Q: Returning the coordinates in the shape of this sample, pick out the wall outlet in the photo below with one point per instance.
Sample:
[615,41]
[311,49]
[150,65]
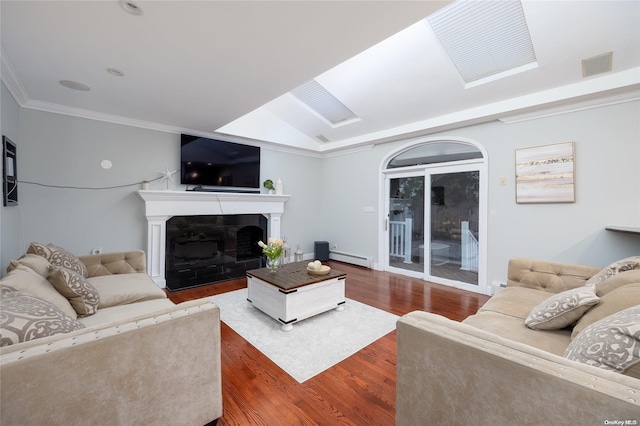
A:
[96,251]
[334,246]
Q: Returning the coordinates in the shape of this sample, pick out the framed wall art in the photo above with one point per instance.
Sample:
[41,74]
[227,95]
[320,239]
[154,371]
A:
[9,173]
[546,174]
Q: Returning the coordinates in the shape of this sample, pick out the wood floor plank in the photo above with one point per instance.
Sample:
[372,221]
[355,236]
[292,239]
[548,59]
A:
[359,390]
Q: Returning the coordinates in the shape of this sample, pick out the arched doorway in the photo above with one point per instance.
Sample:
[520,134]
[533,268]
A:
[434,216]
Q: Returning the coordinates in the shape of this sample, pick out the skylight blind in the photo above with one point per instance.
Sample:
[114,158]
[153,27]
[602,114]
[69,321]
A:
[323,102]
[484,38]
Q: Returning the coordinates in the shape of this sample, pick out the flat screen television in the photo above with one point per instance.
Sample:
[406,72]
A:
[219,164]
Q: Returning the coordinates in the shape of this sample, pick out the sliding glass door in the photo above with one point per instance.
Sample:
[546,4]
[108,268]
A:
[453,237]
[434,224]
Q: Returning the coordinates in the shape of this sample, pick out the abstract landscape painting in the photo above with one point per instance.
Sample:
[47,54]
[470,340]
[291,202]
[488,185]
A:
[545,174]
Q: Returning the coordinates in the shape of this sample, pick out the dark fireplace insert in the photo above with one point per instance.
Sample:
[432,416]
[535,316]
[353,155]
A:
[209,249]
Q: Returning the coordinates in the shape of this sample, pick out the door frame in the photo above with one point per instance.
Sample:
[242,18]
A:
[480,164]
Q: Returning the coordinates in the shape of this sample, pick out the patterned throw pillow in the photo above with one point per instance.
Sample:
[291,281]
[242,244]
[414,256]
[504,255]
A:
[562,309]
[81,294]
[58,256]
[613,343]
[24,317]
[615,268]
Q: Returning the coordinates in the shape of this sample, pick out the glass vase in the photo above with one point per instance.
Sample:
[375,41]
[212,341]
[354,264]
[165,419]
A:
[272,264]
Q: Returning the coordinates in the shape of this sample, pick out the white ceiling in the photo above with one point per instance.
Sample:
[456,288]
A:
[217,68]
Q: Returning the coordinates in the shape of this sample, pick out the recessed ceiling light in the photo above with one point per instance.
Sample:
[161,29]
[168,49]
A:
[115,72]
[75,85]
[131,7]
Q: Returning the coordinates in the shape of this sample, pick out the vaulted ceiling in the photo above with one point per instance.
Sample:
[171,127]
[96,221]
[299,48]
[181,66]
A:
[226,68]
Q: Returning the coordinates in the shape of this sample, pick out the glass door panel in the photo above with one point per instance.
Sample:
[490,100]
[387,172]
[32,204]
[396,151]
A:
[454,226]
[406,223]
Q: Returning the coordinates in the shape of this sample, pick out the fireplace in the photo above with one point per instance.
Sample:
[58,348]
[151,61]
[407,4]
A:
[212,248]
[161,206]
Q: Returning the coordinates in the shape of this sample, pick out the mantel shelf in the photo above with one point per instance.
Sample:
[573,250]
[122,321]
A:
[626,229]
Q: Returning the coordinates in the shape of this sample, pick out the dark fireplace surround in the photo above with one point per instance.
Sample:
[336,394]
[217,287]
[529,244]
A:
[207,249]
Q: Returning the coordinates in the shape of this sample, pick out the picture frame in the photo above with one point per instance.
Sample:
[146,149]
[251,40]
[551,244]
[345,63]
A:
[545,174]
[9,172]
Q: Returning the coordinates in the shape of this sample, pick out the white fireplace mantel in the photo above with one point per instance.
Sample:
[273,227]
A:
[160,206]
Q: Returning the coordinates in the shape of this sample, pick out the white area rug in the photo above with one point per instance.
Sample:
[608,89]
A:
[314,344]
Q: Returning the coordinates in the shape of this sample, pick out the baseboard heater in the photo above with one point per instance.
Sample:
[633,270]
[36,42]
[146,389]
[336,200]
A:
[354,259]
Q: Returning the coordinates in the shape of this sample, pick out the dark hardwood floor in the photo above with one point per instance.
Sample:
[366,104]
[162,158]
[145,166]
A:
[360,390]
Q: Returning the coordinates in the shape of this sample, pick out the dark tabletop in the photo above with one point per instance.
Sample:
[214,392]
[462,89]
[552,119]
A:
[292,275]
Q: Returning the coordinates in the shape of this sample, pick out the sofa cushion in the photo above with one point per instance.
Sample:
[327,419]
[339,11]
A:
[553,277]
[81,294]
[562,309]
[617,281]
[25,279]
[512,328]
[123,262]
[123,289]
[58,256]
[26,317]
[38,263]
[611,303]
[613,343]
[515,301]
[613,269]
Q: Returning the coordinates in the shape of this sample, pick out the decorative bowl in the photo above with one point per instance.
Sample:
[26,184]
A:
[324,270]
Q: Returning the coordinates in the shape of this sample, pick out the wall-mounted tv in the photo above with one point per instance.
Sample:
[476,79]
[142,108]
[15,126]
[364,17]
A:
[220,164]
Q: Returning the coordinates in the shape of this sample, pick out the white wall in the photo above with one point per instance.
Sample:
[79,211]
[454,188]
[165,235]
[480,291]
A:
[328,195]
[66,151]
[607,191]
[10,216]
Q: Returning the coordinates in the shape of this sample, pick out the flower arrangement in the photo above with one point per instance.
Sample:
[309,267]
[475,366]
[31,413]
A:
[273,250]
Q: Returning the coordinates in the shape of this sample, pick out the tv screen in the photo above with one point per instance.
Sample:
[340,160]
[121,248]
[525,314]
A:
[212,162]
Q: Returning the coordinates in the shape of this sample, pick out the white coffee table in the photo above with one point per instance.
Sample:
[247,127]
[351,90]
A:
[291,294]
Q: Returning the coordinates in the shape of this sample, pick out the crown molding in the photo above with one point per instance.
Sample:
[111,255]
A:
[573,107]
[10,79]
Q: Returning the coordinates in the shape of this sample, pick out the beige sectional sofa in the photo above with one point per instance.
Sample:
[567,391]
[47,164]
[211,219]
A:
[493,369]
[115,351]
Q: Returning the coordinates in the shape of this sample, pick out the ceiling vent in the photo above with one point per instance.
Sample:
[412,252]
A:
[597,64]
[324,104]
[485,40]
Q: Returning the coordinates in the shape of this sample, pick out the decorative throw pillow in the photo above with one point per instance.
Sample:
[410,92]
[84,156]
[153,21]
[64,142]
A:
[611,303]
[619,280]
[58,256]
[81,294]
[613,343]
[562,309]
[25,317]
[38,263]
[26,280]
[615,268]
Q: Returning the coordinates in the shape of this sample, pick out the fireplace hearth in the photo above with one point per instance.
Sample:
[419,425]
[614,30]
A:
[212,248]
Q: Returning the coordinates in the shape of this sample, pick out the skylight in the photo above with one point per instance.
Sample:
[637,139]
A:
[485,40]
[324,104]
